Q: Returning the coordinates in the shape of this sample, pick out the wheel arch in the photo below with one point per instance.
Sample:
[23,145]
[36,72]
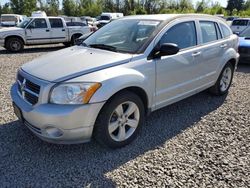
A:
[75,34]
[140,92]
[13,36]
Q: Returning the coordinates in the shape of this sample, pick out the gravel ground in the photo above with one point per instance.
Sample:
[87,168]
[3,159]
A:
[202,141]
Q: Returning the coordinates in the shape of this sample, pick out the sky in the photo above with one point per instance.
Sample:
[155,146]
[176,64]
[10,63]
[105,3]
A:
[222,2]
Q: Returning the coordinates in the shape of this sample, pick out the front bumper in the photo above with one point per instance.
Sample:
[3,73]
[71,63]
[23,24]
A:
[2,42]
[63,124]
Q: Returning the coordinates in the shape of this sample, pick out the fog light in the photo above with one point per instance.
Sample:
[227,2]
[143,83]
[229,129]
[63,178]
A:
[53,132]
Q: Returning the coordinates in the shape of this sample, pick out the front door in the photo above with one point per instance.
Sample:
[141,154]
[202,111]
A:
[37,32]
[178,75]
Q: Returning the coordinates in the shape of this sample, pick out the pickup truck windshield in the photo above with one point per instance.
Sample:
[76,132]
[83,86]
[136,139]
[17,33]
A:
[24,23]
[126,36]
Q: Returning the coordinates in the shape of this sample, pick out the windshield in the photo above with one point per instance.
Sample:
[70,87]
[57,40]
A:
[105,18]
[245,33]
[24,23]
[127,36]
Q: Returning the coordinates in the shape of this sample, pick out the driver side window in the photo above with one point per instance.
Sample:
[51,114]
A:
[182,34]
[38,23]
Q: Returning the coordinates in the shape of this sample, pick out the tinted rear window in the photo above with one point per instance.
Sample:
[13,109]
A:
[55,23]
[240,22]
[75,24]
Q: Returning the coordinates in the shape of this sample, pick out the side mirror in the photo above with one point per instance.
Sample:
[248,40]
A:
[168,49]
[165,49]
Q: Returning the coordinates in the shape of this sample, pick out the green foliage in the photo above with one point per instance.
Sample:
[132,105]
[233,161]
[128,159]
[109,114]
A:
[235,4]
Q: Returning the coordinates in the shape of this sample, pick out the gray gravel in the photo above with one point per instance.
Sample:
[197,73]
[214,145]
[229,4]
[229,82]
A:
[202,141]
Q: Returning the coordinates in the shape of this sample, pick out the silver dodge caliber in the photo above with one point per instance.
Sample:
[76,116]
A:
[104,87]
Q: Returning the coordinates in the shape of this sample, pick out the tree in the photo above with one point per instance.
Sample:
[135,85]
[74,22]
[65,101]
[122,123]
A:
[247,5]
[23,6]
[69,7]
[235,4]
[5,9]
[201,6]
[53,8]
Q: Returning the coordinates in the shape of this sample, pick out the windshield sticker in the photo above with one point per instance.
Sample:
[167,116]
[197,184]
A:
[153,23]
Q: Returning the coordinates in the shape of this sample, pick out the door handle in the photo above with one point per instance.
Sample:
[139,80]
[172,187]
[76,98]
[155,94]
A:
[195,54]
[223,46]
[63,29]
[47,30]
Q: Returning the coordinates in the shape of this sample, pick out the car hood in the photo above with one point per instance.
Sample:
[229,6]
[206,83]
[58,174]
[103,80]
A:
[72,62]
[244,42]
[4,30]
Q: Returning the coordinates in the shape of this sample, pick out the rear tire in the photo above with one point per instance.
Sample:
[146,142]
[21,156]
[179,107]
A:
[14,44]
[120,120]
[224,81]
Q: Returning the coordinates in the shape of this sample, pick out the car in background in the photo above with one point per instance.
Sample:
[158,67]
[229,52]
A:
[230,19]
[239,25]
[40,30]
[11,20]
[107,17]
[244,46]
[135,65]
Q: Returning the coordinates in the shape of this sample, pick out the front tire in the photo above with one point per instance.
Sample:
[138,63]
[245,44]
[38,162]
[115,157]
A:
[120,120]
[14,44]
[224,81]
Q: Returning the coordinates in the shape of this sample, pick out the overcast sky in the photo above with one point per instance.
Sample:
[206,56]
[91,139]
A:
[222,2]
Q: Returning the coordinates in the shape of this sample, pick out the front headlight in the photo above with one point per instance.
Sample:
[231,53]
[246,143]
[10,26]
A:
[73,93]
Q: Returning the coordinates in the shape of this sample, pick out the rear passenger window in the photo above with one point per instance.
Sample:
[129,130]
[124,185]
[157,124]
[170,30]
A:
[225,30]
[208,31]
[182,34]
[55,23]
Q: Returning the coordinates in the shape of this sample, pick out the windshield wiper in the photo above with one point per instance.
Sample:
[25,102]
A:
[104,46]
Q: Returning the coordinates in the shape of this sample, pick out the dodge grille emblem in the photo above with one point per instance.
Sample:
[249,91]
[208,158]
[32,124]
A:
[22,87]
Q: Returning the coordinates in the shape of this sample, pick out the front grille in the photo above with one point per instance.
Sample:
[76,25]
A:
[244,50]
[28,90]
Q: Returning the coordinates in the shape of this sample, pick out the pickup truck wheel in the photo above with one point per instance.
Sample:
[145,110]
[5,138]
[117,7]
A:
[14,44]
[120,120]
[224,81]
[73,39]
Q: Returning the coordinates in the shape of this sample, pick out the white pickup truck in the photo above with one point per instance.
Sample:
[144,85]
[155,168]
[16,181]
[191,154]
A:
[40,30]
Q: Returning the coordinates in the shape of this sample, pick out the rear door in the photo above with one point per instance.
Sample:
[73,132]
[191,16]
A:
[37,32]
[212,48]
[58,30]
